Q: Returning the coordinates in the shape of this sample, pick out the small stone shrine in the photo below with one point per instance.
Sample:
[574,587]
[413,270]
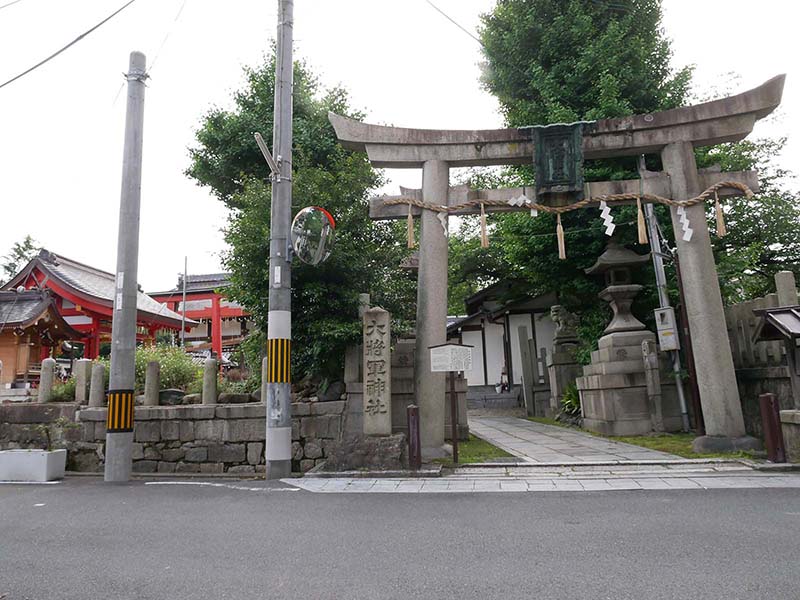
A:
[613,389]
[562,365]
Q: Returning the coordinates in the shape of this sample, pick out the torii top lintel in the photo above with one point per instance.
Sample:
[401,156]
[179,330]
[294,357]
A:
[725,120]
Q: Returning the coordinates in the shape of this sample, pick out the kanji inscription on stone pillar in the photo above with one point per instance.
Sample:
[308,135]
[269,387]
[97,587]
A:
[377,373]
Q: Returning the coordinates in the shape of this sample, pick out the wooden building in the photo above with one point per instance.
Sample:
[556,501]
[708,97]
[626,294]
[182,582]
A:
[30,327]
[84,297]
[221,323]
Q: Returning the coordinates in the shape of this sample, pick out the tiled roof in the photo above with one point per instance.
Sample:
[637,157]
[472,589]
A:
[94,283]
[199,283]
[20,308]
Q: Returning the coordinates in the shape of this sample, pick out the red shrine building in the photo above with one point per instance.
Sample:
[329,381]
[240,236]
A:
[222,324]
[84,297]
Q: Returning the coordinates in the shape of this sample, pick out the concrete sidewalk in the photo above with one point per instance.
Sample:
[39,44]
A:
[538,443]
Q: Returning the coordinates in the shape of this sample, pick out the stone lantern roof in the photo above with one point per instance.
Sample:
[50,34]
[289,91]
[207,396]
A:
[617,256]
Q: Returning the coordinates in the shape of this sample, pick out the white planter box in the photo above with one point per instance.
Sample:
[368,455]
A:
[32,465]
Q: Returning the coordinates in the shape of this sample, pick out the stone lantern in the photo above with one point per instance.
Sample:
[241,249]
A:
[615,265]
[613,388]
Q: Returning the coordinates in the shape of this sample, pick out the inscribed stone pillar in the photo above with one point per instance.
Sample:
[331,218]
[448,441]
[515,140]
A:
[97,390]
[83,370]
[377,372]
[431,310]
[210,382]
[716,380]
[152,383]
[46,380]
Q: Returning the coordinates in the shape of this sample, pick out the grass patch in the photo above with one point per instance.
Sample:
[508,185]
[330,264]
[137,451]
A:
[475,450]
[679,444]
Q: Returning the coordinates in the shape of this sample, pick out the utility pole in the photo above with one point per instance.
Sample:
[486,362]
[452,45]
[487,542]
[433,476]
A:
[661,285]
[279,321]
[119,436]
[183,302]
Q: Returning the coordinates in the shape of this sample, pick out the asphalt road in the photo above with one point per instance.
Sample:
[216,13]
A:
[85,539]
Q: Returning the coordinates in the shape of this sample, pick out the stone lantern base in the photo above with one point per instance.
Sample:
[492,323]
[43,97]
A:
[613,388]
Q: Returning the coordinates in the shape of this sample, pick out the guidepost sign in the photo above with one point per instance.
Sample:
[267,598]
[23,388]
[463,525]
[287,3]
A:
[452,358]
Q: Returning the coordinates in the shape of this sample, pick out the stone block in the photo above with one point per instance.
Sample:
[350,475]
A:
[39,413]
[334,407]
[212,467]
[170,397]
[166,467]
[192,412]
[295,430]
[333,392]
[147,431]
[255,453]
[208,430]
[242,469]
[790,425]
[170,430]
[312,449]
[198,454]
[323,426]
[183,467]
[186,431]
[137,451]
[100,430]
[301,409]
[261,468]
[173,454]
[151,413]
[297,451]
[85,414]
[152,453]
[192,399]
[306,465]
[145,466]
[368,452]
[244,430]
[242,411]
[227,453]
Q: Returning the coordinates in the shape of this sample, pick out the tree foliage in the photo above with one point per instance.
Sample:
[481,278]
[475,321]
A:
[18,256]
[366,255]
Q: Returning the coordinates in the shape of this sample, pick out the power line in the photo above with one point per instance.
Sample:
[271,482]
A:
[454,22]
[6,5]
[166,37]
[73,42]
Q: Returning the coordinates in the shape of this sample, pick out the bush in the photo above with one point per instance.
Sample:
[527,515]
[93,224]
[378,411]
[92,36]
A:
[177,368]
[64,392]
[571,401]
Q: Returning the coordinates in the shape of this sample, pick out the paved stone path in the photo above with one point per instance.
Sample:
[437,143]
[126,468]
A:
[538,443]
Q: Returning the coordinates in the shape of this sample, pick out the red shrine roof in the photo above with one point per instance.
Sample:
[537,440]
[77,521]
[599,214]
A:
[93,286]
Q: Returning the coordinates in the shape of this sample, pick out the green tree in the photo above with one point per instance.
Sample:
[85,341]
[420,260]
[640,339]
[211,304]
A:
[551,61]
[366,256]
[18,256]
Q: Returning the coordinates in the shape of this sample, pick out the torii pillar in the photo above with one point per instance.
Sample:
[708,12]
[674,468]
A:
[672,133]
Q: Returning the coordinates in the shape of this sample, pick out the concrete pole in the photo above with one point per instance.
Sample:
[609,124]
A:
[279,320]
[431,310]
[152,383]
[46,380]
[119,436]
[97,391]
[210,371]
[716,379]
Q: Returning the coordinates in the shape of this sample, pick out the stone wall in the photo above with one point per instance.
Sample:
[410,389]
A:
[180,439]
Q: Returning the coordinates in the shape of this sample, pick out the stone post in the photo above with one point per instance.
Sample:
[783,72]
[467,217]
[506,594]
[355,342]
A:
[363,305]
[210,381]
[377,372]
[431,310]
[786,287]
[653,381]
[46,380]
[152,383]
[83,371]
[716,379]
[97,390]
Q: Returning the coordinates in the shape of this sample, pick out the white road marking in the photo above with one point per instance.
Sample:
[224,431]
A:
[40,504]
[223,485]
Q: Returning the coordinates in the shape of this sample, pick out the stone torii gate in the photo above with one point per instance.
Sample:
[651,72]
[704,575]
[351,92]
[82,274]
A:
[672,133]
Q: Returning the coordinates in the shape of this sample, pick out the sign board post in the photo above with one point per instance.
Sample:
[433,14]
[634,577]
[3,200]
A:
[451,358]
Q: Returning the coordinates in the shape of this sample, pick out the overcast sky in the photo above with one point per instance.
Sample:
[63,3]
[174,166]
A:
[61,127]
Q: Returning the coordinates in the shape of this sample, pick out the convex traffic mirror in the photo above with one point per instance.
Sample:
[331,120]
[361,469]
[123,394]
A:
[312,234]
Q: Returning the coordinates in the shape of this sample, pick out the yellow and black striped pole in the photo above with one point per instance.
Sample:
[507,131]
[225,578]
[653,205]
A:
[120,411]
